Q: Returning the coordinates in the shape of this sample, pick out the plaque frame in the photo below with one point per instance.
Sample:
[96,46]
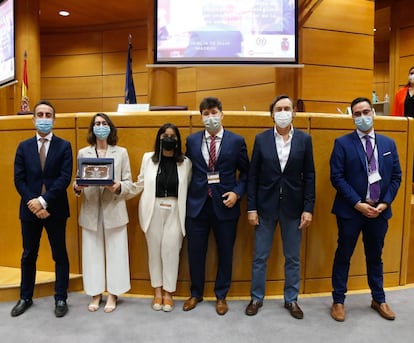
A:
[95,171]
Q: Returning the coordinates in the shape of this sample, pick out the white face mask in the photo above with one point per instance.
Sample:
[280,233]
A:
[411,78]
[212,123]
[283,118]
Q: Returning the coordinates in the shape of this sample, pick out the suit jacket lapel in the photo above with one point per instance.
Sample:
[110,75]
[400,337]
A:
[359,148]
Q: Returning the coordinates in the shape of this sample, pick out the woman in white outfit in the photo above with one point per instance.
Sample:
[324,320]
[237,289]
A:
[103,218]
[164,177]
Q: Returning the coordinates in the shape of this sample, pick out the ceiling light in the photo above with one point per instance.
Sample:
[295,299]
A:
[64,13]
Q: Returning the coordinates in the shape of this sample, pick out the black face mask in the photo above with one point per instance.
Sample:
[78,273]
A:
[168,143]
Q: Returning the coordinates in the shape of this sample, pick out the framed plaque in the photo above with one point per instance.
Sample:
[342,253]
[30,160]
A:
[95,171]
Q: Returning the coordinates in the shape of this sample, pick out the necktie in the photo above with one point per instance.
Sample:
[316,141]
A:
[42,156]
[374,188]
[212,153]
[211,160]
[42,152]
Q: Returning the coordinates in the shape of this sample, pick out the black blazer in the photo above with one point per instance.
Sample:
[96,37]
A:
[269,190]
[57,174]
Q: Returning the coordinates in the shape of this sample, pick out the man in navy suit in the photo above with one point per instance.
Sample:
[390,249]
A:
[366,173]
[41,176]
[281,189]
[219,175]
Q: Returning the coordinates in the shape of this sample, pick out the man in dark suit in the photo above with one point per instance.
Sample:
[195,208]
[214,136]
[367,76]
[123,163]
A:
[213,202]
[366,173]
[42,172]
[281,189]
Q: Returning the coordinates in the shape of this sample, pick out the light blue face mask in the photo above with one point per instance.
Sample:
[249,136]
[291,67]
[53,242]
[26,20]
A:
[44,125]
[102,131]
[363,123]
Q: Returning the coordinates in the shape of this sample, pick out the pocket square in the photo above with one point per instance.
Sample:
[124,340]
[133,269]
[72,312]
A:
[386,153]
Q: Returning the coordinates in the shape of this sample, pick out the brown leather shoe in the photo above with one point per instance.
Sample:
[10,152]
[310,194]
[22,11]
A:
[253,307]
[338,312]
[383,309]
[221,307]
[294,310]
[191,303]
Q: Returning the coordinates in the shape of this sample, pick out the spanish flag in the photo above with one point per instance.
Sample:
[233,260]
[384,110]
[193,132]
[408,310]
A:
[25,86]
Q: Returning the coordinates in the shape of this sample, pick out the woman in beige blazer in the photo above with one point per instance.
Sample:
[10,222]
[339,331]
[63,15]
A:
[103,218]
[164,177]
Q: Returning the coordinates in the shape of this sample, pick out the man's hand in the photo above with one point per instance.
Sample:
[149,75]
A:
[305,220]
[34,205]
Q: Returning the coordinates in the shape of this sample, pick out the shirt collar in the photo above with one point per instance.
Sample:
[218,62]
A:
[362,134]
[48,136]
[277,134]
[218,134]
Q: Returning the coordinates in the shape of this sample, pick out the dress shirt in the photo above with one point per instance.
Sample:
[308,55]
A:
[47,145]
[205,146]
[283,148]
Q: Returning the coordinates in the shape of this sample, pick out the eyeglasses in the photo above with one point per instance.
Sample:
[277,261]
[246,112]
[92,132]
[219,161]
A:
[363,112]
[99,123]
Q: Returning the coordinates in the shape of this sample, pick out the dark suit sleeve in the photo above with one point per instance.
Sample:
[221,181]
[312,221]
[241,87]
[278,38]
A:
[308,177]
[395,181]
[243,168]
[20,177]
[338,175]
[253,177]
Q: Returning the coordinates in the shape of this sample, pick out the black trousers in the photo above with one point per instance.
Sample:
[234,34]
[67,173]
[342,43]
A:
[31,233]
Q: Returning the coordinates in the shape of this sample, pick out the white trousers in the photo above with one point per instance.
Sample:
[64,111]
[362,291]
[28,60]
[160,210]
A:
[164,240]
[105,260]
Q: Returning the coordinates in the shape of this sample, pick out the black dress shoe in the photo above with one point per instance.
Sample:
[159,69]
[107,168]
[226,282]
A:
[21,306]
[61,308]
[253,307]
[294,310]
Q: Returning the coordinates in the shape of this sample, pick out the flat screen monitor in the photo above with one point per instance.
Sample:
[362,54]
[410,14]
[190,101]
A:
[7,61]
[225,31]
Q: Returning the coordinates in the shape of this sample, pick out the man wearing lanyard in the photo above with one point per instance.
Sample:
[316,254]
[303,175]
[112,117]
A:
[217,156]
[366,173]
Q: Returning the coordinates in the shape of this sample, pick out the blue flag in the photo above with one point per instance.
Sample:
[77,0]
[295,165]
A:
[130,97]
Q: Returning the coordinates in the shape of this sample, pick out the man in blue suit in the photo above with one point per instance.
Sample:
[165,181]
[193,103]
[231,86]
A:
[42,172]
[281,189]
[366,173]
[219,175]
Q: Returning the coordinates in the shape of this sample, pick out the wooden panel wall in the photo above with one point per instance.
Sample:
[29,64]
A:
[337,51]
[137,134]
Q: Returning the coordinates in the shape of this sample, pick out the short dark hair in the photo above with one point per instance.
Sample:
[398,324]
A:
[358,100]
[113,135]
[210,102]
[44,102]
[275,100]
[178,154]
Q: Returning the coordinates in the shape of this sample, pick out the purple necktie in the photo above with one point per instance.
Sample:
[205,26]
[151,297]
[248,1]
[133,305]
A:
[374,188]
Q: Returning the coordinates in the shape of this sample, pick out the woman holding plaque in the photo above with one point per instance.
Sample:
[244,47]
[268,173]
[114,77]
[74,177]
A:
[164,177]
[103,215]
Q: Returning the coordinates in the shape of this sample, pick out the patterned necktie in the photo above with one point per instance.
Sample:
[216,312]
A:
[211,160]
[374,188]
[212,153]
[42,156]
[42,152]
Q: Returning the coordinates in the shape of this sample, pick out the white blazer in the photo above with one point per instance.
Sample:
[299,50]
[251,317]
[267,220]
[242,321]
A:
[113,205]
[147,182]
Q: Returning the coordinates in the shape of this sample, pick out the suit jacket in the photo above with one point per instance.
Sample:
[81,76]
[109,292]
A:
[349,173]
[113,205]
[56,175]
[399,101]
[147,183]
[232,160]
[269,189]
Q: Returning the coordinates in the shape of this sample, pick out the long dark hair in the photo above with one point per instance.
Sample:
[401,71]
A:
[178,154]
[409,83]
[113,135]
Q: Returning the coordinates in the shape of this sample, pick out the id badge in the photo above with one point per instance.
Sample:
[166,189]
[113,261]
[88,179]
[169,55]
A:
[213,177]
[374,177]
[165,205]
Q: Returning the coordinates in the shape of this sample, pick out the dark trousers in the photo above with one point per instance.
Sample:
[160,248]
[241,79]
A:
[56,232]
[373,234]
[197,232]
